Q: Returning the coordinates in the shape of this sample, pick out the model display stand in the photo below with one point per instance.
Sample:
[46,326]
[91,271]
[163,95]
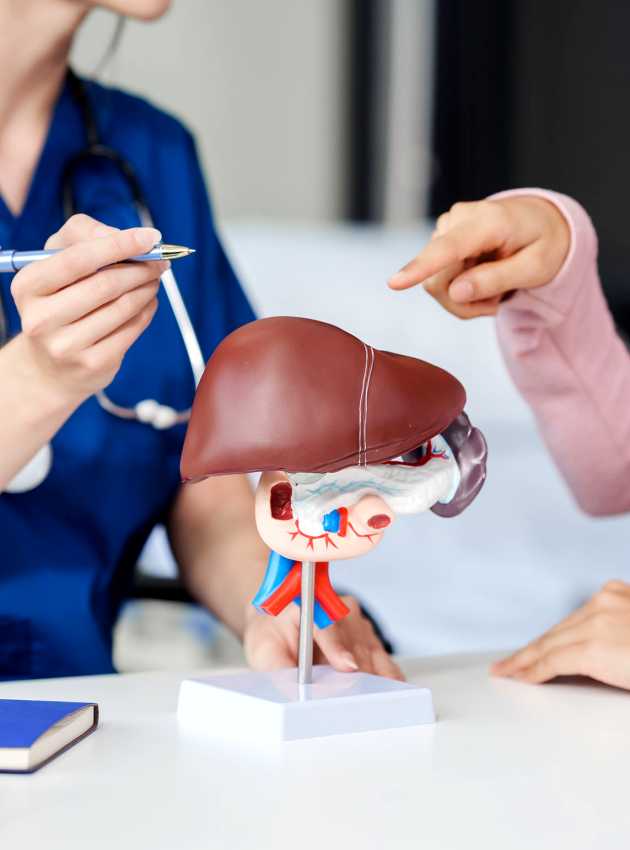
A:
[273,707]
[346,437]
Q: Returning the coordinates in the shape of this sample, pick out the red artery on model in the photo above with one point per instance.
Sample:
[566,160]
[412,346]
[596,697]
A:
[290,589]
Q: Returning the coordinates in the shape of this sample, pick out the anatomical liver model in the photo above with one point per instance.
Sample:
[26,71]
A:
[346,437]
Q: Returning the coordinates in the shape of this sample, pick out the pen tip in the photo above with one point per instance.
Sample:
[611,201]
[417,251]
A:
[174,252]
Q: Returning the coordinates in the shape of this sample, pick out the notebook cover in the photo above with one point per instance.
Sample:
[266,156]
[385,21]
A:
[23,721]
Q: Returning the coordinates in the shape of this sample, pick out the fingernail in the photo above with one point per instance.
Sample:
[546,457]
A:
[461,291]
[349,660]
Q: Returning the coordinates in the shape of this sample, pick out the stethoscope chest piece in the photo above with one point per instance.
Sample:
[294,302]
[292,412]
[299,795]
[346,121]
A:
[35,471]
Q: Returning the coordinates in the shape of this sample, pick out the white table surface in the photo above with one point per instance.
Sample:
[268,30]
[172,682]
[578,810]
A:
[506,766]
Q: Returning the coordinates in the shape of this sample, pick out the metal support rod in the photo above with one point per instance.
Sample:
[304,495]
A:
[307,611]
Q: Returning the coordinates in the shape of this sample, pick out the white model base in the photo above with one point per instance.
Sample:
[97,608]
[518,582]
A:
[273,707]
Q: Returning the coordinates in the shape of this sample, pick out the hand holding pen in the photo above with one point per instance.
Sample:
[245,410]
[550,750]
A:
[84,305]
[13,261]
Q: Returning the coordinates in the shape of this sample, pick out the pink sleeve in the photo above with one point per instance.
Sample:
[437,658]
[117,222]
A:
[565,356]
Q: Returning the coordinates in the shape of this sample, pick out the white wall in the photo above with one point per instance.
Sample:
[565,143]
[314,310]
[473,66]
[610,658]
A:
[262,86]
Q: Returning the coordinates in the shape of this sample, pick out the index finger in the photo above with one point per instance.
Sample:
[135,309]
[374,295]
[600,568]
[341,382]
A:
[78,228]
[85,258]
[568,660]
[464,241]
[548,643]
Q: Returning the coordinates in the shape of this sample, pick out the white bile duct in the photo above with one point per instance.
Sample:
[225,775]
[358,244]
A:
[406,489]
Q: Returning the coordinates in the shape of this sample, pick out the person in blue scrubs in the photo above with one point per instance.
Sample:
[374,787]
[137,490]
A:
[69,546]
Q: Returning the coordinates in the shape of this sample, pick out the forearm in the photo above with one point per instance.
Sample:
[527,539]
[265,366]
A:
[225,575]
[31,410]
[218,550]
[564,354]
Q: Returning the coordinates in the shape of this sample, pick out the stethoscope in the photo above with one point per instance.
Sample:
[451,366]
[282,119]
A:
[148,411]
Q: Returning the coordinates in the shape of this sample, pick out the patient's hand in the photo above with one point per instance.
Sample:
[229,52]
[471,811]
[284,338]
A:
[348,645]
[594,641]
[482,250]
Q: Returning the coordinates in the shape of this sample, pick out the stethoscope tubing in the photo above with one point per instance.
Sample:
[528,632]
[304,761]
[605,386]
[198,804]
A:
[147,411]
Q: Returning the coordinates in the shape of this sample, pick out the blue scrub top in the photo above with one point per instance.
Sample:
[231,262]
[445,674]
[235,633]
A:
[69,547]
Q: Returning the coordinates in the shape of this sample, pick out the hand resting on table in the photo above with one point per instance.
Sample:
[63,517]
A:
[593,641]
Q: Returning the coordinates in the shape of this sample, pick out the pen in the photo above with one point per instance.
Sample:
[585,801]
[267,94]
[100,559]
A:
[13,261]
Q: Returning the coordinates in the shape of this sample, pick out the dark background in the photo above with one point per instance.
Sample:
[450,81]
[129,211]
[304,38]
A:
[527,93]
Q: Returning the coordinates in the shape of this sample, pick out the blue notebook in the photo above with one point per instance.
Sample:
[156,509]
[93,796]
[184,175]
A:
[32,732]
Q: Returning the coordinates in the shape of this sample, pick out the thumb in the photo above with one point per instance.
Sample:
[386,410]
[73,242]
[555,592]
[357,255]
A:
[332,645]
[487,280]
